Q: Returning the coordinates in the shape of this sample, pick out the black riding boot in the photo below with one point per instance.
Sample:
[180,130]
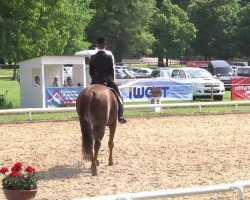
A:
[121,118]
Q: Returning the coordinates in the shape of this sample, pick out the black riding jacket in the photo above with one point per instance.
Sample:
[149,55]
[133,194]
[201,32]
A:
[101,68]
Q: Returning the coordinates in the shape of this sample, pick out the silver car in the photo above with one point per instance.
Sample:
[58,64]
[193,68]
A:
[204,84]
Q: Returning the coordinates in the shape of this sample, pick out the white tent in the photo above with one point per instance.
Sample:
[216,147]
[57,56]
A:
[88,54]
[47,67]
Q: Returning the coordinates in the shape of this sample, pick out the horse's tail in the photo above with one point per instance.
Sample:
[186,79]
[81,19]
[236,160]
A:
[85,123]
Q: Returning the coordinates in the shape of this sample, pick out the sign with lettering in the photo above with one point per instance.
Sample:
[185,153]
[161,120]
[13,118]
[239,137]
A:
[171,89]
[240,88]
[61,96]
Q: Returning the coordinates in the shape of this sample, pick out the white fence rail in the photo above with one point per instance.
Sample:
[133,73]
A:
[236,186]
[199,105]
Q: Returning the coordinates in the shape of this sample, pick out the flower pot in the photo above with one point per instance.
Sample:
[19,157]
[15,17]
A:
[19,194]
[156,94]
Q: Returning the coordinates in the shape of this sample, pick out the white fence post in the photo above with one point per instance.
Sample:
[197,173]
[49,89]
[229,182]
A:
[30,115]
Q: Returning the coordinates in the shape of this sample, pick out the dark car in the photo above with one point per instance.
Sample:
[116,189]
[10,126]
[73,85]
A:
[222,70]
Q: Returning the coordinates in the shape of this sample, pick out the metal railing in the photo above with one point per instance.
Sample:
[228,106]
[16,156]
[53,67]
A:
[199,105]
[236,186]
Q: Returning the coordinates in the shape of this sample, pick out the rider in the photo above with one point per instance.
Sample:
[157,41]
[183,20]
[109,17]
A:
[101,70]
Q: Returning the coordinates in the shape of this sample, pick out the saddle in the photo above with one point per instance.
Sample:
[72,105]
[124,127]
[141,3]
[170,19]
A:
[117,96]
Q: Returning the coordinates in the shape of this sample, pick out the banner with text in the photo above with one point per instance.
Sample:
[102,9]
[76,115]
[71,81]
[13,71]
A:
[240,88]
[62,96]
[140,89]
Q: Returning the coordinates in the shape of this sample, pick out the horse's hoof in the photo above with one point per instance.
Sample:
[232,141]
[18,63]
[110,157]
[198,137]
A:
[94,173]
[111,163]
[93,170]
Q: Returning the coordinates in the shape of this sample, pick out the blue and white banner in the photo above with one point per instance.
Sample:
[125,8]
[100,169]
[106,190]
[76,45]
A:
[61,96]
[171,89]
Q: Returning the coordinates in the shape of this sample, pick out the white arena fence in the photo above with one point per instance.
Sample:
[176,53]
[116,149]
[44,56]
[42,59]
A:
[199,105]
[236,186]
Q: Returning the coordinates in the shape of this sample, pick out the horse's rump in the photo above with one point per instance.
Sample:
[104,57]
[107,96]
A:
[96,106]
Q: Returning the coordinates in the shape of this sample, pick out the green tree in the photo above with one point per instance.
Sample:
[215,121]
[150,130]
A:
[172,30]
[125,24]
[216,22]
[243,33]
[42,27]
[181,3]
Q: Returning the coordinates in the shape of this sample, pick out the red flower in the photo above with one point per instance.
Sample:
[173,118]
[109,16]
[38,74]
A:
[30,169]
[4,170]
[13,173]
[17,167]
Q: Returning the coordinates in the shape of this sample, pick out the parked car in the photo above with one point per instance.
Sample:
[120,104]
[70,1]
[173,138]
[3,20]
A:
[119,74]
[236,65]
[145,71]
[203,82]
[161,72]
[221,70]
[123,73]
[243,72]
[135,70]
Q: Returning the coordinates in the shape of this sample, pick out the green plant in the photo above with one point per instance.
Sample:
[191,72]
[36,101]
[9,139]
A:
[19,177]
[4,103]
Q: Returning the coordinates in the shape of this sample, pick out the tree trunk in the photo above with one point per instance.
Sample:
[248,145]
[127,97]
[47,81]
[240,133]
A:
[161,62]
[14,72]
[118,58]
[167,61]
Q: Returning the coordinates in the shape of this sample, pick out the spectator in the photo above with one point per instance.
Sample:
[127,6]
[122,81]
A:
[37,81]
[55,82]
[69,82]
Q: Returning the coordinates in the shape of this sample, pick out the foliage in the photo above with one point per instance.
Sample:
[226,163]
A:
[54,27]
[125,24]
[42,27]
[19,177]
[12,87]
[181,3]
[4,103]
[172,30]
[216,22]
[243,33]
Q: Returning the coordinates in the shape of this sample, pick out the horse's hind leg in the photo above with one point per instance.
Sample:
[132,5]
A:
[112,129]
[98,134]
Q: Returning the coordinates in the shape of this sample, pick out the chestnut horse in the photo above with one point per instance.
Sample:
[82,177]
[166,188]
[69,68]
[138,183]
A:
[97,107]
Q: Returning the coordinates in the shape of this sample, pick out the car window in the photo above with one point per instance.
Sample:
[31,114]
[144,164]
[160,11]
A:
[175,73]
[155,73]
[199,74]
[224,70]
[164,74]
[182,74]
[143,71]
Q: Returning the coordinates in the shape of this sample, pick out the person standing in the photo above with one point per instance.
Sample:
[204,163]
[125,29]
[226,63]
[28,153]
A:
[101,70]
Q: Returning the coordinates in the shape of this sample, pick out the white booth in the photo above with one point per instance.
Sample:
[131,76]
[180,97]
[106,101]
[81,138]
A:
[48,67]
